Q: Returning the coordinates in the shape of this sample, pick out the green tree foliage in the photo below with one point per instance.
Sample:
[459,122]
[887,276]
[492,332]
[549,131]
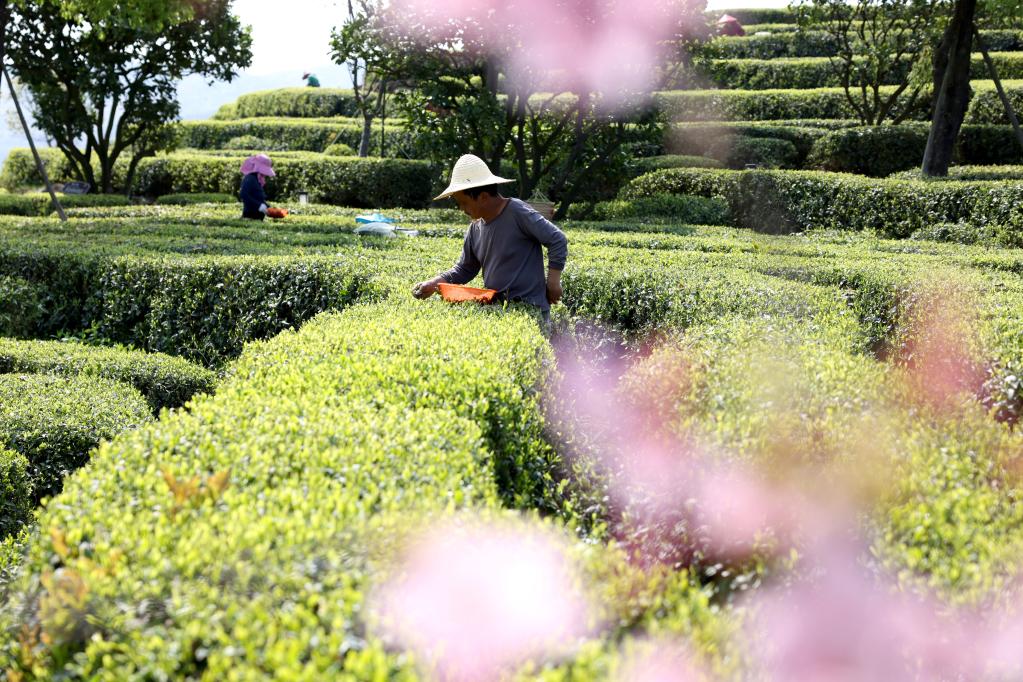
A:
[554,135]
[877,42]
[104,85]
[374,64]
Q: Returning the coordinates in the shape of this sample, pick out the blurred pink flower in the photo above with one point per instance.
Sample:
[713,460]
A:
[659,662]
[680,496]
[612,46]
[737,506]
[841,624]
[475,599]
[938,353]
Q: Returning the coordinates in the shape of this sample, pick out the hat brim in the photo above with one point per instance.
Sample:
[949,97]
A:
[459,187]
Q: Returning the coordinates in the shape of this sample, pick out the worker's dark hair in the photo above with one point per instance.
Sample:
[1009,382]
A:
[475,192]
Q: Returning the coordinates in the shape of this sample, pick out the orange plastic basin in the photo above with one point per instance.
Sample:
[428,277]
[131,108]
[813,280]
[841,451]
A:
[456,293]
[278,213]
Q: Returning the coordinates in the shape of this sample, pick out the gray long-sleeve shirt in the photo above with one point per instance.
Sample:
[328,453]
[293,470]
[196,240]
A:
[509,250]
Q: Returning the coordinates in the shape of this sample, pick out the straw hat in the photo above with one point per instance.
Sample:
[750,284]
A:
[470,171]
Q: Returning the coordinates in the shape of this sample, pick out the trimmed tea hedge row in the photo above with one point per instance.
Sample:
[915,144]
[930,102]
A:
[668,207]
[756,15]
[652,163]
[294,134]
[736,143]
[196,198]
[986,107]
[761,105]
[631,292]
[952,513]
[349,181]
[369,182]
[819,72]
[820,44]
[772,46]
[56,421]
[204,308]
[40,204]
[877,151]
[788,201]
[19,170]
[850,148]
[968,173]
[164,381]
[292,103]
[16,505]
[248,531]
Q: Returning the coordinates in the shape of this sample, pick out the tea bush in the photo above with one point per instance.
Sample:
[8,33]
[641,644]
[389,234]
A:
[764,105]
[651,163]
[819,72]
[668,207]
[723,140]
[875,151]
[291,102]
[245,142]
[202,308]
[821,44]
[196,198]
[293,134]
[21,306]
[767,152]
[400,415]
[39,204]
[369,182]
[788,201]
[56,421]
[15,494]
[966,173]
[19,171]
[773,46]
[986,107]
[164,381]
[757,15]
[977,144]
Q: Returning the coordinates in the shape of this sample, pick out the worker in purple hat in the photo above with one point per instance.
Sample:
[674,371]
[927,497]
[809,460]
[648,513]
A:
[256,170]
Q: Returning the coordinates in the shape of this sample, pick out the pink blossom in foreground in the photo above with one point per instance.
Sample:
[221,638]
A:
[611,46]
[938,353]
[476,599]
[678,493]
[840,624]
[659,662]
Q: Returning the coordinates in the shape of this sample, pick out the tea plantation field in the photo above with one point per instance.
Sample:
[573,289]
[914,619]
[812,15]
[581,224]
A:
[274,414]
[771,432]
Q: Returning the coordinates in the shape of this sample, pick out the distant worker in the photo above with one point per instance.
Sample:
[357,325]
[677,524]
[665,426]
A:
[256,170]
[505,239]
[730,26]
[311,80]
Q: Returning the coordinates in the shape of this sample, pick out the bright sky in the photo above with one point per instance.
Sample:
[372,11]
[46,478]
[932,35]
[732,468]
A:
[292,35]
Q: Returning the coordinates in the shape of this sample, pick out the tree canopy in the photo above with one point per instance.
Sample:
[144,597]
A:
[106,85]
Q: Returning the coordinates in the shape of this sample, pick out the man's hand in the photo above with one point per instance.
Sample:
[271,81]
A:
[554,291]
[426,289]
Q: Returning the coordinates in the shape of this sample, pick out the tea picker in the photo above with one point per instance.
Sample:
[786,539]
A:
[505,240]
[256,170]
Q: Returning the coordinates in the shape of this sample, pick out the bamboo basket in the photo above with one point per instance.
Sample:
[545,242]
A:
[542,205]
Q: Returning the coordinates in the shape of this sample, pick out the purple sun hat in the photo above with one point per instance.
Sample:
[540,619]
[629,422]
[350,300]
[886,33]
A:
[260,163]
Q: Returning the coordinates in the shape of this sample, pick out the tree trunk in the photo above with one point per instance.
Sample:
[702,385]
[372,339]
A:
[32,145]
[952,97]
[1006,104]
[367,135]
